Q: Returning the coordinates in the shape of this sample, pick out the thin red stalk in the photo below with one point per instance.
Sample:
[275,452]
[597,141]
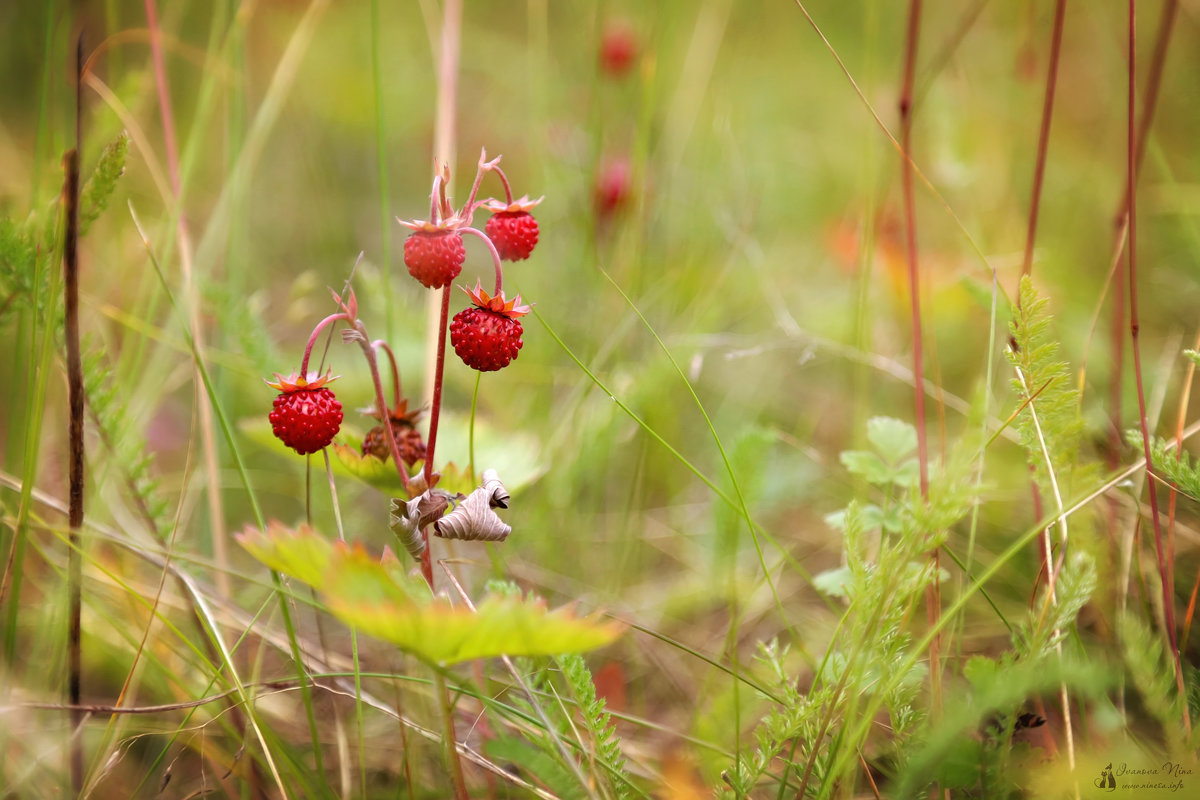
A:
[312,339]
[933,600]
[1039,170]
[495,257]
[910,227]
[436,407]
[397,396]
[1166,27]
[164,96]
[435,412]
[381,403]
[1168,593]
[484,166]
[76,466]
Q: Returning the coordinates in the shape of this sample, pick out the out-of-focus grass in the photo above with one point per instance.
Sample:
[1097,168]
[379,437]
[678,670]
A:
[753,163]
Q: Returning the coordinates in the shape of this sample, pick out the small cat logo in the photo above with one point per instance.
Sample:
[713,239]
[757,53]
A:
[1106,781]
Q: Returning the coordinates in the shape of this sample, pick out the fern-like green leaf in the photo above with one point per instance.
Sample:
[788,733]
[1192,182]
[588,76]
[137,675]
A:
[597,722]
[96,192]
[1052,415]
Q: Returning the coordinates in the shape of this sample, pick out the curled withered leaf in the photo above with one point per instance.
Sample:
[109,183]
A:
[497,494]
[405,528]
[351,336]
[473,520]
[406,519]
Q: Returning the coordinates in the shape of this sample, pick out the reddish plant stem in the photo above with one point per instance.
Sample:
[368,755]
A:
[380,402]
[435,409]
[910,227]
[76,455]
[1162,40]
[495,257]
[435,412]
[1039,170]
[312,339]
[397,396]
[484,166]
[1164,569]
[164,96]
[933,599]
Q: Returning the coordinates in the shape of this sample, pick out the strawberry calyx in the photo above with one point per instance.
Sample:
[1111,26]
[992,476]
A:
[296,382]
[400,415]
[448,225]
[521,204]
[497,303]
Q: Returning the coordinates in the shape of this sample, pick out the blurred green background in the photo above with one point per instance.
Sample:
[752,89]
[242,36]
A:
[760,233]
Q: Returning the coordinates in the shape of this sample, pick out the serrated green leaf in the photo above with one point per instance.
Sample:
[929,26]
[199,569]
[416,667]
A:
[302,554]
[447,635]
[893,438]
[868,465]
[382,600]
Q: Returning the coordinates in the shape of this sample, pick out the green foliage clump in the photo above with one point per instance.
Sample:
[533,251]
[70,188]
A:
[1049,423]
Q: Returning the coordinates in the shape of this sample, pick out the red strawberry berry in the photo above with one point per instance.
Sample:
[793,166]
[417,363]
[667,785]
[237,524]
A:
[306,415]
[434,254]
[512,228]
[487,336]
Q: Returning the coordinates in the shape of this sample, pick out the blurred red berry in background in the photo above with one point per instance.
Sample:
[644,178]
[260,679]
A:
[618,49]
[614,185]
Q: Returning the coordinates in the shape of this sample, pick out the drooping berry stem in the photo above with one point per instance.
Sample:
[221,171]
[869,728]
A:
[508,195]
[380,403]
[495,257]
[380,344]
[312,339]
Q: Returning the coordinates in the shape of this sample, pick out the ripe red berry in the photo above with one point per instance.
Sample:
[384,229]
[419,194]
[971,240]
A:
[434,255]
[512,228]
[487,336]
[515,234]
[306,415]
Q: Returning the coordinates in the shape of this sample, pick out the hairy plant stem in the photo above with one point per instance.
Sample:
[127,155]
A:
[1043,146]
[397,395]
[435,412]
[495,257]
[1164,568]
[933,598]
[1166,27]
[76,465]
